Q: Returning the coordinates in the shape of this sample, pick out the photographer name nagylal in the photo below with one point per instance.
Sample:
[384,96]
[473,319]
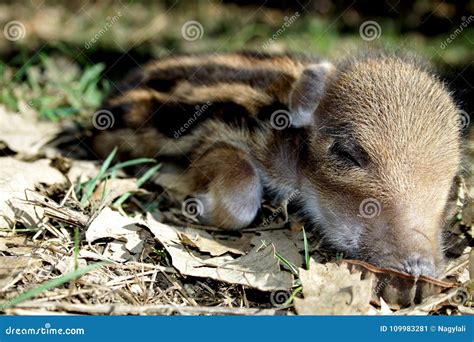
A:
[452,329]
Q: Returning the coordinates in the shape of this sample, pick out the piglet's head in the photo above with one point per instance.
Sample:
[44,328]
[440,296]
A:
[382,150]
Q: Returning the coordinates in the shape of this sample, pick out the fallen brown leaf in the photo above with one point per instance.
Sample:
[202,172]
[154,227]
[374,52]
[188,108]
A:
[285,243]
[111,224]
[110,189]
[258,269]
[24,133]
[12,266]
[16,177]
[331,289]
[396,288]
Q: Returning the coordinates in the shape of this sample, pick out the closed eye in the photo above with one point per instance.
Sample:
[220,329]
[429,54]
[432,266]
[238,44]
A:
[346,155]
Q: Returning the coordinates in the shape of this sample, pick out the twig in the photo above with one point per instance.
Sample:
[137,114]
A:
[180,289]
[221,230]
[428,304]
[160,309]
[55,211]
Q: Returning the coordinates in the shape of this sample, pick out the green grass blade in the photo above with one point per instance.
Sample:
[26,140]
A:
[306,250]
[289,301]
[147,175]
[140,181]
[50,284]
[287,263]
[128,163]
[91,75]
[90,185]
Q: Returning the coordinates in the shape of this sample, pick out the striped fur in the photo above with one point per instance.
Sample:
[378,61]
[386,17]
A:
[157,109]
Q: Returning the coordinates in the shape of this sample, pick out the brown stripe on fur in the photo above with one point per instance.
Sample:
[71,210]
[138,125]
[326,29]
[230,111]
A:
[285,64]
[146,142]
[142,102]
[250,98]
[140,105]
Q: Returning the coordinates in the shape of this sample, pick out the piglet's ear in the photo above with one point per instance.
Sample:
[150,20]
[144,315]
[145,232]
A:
[307,93]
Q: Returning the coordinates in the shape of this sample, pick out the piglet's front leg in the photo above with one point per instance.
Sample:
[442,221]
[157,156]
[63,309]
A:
[227,186]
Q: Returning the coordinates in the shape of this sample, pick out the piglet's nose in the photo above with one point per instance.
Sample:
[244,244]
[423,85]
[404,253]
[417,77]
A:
[417,265]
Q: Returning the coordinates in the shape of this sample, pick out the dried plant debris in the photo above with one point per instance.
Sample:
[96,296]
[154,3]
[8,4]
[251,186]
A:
[110,189]
[12,267]
[24,133]
[124,230]
[17,181]
[259,268]
[397,289]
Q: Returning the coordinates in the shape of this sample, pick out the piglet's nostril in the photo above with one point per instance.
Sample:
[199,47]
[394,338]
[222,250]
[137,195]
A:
[417,265]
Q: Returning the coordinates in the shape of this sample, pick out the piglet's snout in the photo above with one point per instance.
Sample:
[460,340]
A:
[418,265]
[414,250]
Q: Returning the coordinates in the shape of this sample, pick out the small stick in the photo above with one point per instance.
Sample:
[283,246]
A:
[159,309]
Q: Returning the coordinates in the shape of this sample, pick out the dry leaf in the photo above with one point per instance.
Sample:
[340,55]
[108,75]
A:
[82,170]
[15,178]
[173,182]
[331,289]
[24,133]
[111,224]
[15,245]
[110,189]
[12,266]
[63,263]
[258,269]
[284,243]
[396,288]
[217,244]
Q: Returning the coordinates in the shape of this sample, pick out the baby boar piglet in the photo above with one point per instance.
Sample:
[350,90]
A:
[368,151]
